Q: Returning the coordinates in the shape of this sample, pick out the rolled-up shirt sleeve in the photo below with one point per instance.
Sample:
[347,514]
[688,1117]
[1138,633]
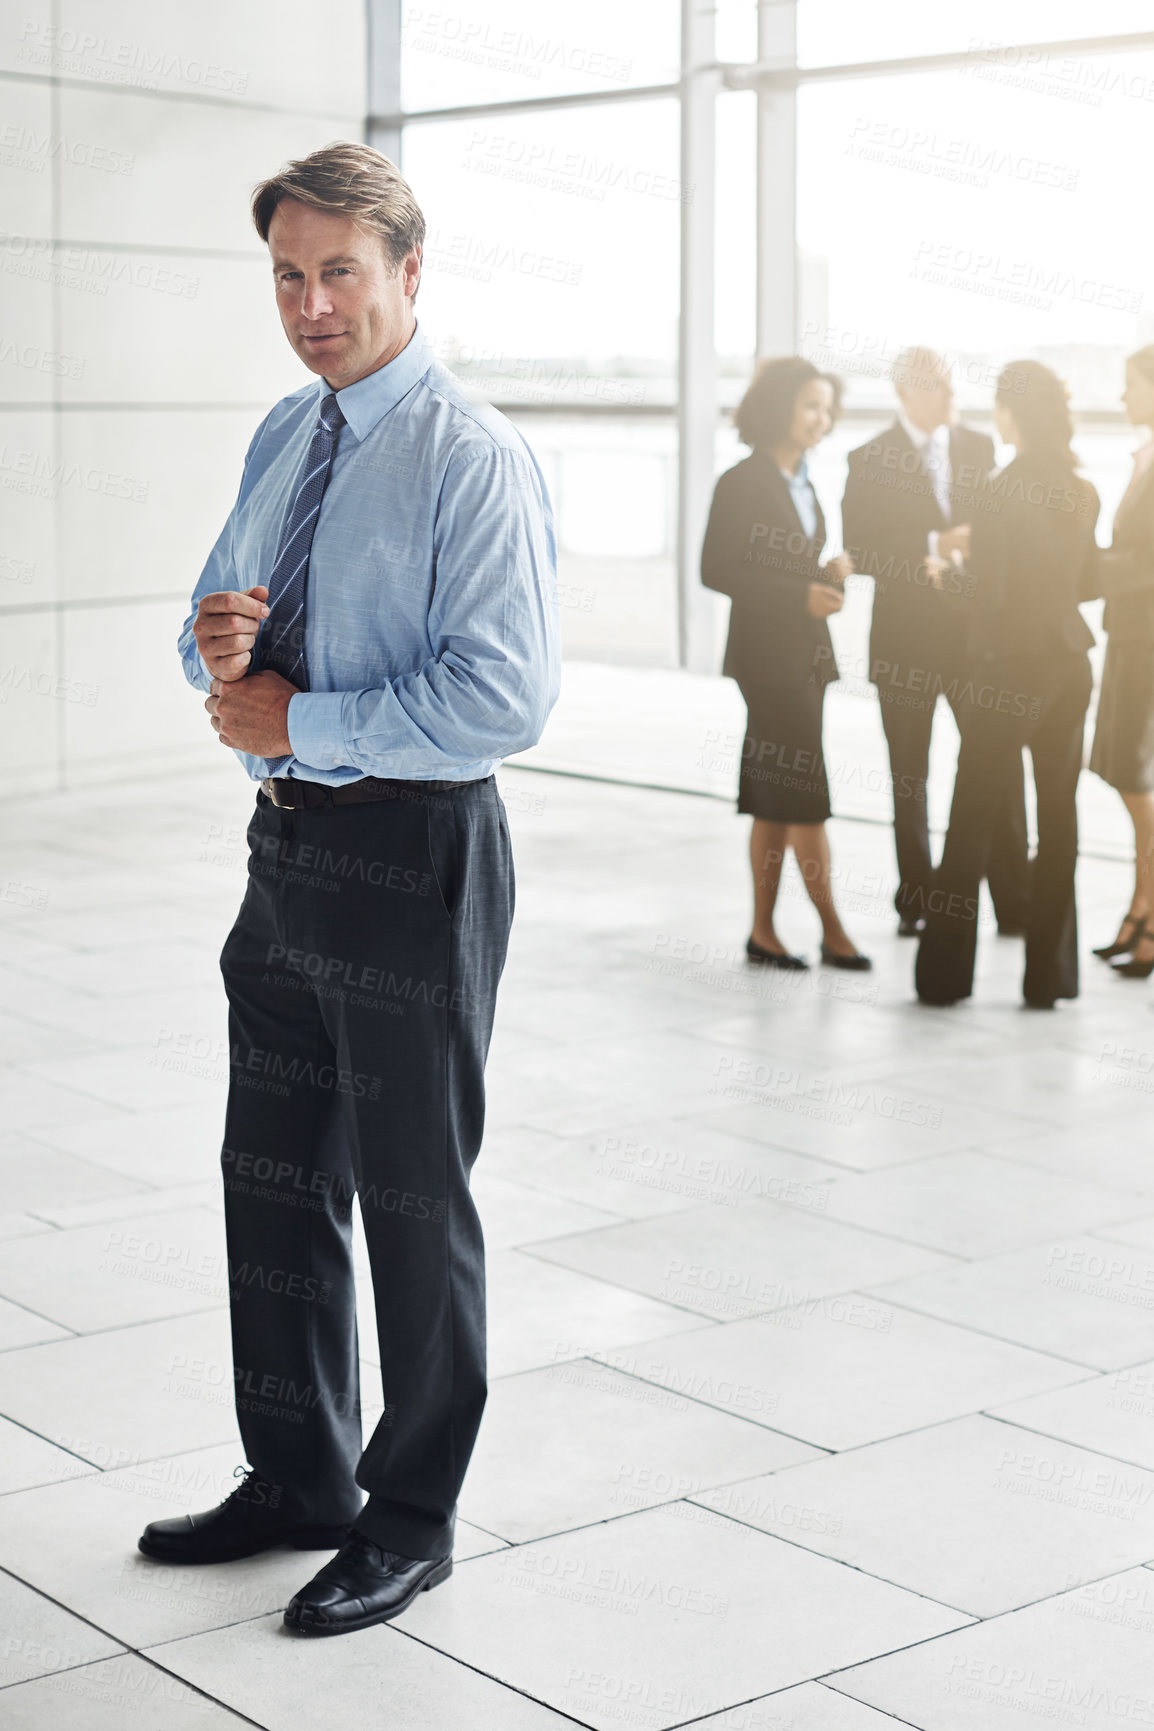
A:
[492,674]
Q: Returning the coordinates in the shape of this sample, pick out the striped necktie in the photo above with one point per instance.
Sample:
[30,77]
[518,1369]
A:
[281,644]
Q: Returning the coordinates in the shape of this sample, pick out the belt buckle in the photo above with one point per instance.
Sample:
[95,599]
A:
[269,788]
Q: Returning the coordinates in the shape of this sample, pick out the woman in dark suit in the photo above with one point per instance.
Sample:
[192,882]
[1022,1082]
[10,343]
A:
[763,548]
[1032,559]
[1123,751]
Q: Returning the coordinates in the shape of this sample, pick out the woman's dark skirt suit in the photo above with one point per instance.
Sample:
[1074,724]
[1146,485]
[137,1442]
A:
[1123,750]
[1033,559]
[757,552]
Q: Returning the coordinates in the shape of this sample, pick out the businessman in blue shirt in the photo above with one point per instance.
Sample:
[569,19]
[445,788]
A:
[374,631]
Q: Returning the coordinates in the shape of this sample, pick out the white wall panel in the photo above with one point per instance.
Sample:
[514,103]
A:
[174,329]
[28,494]
[161,173]
[25,34]
[288,53]
[152,536]
[142,709]
[30,363]
[26,154]
[32,702]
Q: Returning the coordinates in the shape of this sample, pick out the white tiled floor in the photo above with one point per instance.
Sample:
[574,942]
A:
[822,1326]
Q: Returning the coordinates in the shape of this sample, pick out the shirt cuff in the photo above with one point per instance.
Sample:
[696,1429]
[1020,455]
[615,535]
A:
[196,671]
[316,730]
[932,543]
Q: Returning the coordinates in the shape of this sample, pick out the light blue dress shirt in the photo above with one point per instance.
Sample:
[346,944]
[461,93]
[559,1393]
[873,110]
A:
[432,630]
[801,492]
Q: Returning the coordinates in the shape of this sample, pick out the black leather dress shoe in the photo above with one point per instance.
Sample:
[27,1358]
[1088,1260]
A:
[774,958]
[911,927]
[362,1585]
[251,1519]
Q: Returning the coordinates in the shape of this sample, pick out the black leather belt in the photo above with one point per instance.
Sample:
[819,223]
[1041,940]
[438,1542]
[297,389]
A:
[291,795]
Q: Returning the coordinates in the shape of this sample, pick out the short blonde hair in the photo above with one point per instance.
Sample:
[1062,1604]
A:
[353,180]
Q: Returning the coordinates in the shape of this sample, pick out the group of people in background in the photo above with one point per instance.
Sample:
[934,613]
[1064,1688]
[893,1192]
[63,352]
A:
[978,574]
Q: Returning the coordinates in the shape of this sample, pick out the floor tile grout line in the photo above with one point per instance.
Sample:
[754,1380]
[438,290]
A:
[827,1450]
[614,1285]
[129,1652]
[28,1430]
[19,1304]
[971,1261]
[799,1210]
[701,1315]
[5,1569]
[698,1400]
[1050,1436]
[983,1622]
[869,1574]
[146,1659]
[988,1334]
[431,1646]
[116,1327]
[975,1618]
[858,1702]
[736,1706]
[176,1640]
[145,1193]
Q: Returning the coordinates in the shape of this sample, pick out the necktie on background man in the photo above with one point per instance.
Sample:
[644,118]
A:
[936,460]
[280,645]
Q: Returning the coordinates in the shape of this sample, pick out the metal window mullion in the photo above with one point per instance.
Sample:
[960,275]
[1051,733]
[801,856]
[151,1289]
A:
[383,77]
[777,250]
[696,357]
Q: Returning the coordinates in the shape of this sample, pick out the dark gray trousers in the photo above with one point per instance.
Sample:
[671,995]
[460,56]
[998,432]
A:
[1045,700]
[361,975]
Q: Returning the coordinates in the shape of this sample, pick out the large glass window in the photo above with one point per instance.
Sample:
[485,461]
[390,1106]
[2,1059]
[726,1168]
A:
[551,287]
[508,50]
[955,210]
[735,278]
[838,32]
[551,265]
[988,220]
[987,210]
[613,482]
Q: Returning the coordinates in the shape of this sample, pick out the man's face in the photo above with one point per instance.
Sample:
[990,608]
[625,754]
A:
[343,310]
[927,395]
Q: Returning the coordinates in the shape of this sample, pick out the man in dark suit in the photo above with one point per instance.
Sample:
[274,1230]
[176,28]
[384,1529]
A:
[908,497]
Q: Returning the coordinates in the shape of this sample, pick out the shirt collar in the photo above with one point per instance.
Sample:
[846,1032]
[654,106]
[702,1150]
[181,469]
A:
[921,441]
[371,398]
[800,476]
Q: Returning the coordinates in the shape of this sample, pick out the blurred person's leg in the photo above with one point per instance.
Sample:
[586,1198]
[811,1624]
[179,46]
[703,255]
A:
[1056,747]
[1008,861]
[1008,870]
[811,847]
[767,843]
[1141,809]
[988,759]
[908,729]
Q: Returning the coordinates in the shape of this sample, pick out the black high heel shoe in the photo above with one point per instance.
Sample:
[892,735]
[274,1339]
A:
[1134,969]
[1122,947]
